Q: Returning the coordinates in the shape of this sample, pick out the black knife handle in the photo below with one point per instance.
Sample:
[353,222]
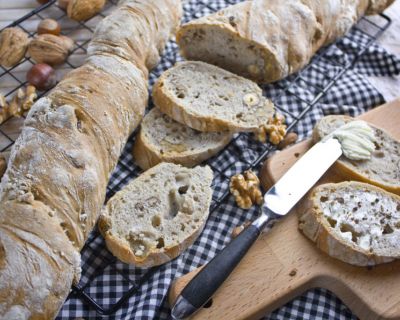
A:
[201,288]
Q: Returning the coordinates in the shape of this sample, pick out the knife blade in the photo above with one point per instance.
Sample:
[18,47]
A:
[278,201]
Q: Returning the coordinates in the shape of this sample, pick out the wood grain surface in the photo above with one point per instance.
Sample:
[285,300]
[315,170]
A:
[283,263]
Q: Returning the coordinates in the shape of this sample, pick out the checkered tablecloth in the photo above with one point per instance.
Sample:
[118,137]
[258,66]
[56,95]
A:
[106,280]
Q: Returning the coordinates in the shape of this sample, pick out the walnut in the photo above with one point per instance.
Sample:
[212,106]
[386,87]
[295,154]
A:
[80,10]
[275,130]
[30,97]
[50,49]
[13,44]
[246,189]
[21,102]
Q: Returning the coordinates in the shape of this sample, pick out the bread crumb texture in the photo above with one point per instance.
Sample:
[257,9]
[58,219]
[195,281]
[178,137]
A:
[355,222]
[157,215]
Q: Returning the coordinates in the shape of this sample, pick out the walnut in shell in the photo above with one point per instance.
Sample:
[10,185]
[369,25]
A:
[80,10]
[50,49]
[13,44]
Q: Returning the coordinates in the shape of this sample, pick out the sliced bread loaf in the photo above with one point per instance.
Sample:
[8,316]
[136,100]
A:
[162,139]
[208,98]
[353,221]
[158,215]
[382,170]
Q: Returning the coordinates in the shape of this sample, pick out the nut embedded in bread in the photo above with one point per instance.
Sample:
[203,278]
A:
[161,139]
[157,215]
[354,222]
[382,170]
[208,98]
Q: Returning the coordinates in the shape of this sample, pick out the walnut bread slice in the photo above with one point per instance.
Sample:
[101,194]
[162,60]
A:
[158,215]
[382,170]
[354,222]
[161,139]
[208,98]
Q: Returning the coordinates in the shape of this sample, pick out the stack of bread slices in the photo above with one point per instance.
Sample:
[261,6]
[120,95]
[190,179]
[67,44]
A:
[358,220]
[198,107]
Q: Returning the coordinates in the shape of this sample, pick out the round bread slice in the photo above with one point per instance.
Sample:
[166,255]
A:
[157,215]
[354,222]
[207,98]
[161,139]
[382,170]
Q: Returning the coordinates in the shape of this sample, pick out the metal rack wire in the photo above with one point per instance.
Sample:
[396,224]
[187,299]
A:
[371,29]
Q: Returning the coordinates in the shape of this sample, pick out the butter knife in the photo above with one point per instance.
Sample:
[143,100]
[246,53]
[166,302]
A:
[278,201]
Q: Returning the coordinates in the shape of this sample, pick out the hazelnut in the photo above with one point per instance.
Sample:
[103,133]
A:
[41,76]
[50,49]
[49,26]
[13,44]
[80,10]
[63,4]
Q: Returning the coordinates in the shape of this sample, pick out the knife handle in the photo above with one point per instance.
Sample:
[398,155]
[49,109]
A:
[201,288]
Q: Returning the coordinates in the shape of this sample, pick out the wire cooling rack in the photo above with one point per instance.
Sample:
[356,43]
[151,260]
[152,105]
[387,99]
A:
[14,78]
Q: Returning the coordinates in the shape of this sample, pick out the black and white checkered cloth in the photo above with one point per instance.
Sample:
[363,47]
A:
[106,280]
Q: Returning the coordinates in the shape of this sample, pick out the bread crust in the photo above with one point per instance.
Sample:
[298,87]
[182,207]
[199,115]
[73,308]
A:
[71,141]
[257,41]
[146,154]
[317,229]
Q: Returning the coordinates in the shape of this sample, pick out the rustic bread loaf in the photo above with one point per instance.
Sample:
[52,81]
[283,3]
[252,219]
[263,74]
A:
[353,221]
[208,98]
[382,170]
[158,215]
[266,40]
[162,139]
[54,187]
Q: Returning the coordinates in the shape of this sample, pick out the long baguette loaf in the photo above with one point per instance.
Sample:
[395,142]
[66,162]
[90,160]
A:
[266,40]
[55,184]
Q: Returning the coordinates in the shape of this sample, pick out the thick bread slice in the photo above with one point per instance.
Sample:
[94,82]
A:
[208,98]
[353,221]
[162,139]
[158,215]
[382,170]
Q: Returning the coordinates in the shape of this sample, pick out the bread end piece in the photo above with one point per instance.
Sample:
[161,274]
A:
[38,264]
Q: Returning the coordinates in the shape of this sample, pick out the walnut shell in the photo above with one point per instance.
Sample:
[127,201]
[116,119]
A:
[50,49]
[80,10]
[13,44]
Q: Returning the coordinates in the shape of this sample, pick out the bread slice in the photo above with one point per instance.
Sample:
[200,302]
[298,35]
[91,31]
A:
[354,222]
[382,170]
[158,215]
[162,139]
[208,98]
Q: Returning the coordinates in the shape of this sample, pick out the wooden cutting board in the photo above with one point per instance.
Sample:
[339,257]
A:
[283,263]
